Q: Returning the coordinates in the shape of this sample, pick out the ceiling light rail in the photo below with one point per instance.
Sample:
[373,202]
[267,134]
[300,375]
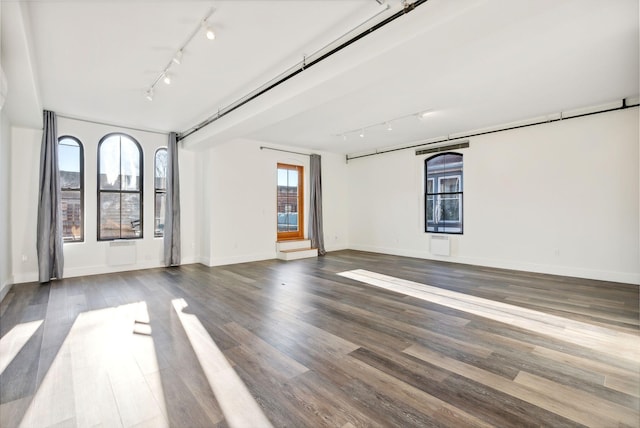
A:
[308,61]
[176,59]
[386,125]
[462,138]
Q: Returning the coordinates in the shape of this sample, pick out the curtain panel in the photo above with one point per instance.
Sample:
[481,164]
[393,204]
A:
[316,233]
[172,205]
[49,227]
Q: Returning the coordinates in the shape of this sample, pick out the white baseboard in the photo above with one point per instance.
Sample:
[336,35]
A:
[24,277]
[73,272]
[337,247]
[221,261]
[572,271]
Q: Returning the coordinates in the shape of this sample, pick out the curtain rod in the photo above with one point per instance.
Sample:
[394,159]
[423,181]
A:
[286,151]
[113,125]
[624,106]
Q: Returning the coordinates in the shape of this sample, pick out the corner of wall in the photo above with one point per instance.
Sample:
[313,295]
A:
[4,289]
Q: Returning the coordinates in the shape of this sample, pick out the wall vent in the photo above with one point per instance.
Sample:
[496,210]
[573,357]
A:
[439,245]
[446,147]
[121,253]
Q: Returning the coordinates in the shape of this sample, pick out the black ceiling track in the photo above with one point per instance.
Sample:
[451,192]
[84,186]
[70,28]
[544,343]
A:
[408,7]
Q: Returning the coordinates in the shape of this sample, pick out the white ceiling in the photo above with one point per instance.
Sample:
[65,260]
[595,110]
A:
[474,63]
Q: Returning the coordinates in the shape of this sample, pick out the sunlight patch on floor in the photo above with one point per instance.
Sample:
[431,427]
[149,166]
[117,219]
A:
[15,339]
[603,339]
[238,405]
[96,378]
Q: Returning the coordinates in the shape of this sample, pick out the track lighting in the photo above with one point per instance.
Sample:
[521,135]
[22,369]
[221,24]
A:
[210,34]
[177,58]
[386,124]
[208,31]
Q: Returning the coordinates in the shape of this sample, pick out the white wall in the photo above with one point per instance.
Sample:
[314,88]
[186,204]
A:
[5,199]
[560,198]
[90,256]
[239,195]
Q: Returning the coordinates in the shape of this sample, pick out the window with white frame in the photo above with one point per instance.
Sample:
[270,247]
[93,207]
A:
[443,193]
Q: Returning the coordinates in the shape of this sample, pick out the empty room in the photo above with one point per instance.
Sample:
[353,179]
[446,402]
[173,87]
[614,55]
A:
[319,213]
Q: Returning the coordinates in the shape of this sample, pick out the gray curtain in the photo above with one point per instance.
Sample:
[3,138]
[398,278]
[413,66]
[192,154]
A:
[172,205]
[315,212]
[49,234]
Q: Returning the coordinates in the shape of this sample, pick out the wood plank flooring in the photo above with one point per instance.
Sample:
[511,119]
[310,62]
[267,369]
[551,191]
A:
[310,343]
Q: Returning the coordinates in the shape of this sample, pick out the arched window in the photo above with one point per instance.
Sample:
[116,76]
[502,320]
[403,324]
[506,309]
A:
[443,193]
[160,191]
[119,188]
[71,166]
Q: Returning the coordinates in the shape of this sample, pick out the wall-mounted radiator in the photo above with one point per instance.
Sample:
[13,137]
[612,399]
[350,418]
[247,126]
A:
[439,245]
[121,253]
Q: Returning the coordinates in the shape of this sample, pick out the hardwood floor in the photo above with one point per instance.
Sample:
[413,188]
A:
[350,339]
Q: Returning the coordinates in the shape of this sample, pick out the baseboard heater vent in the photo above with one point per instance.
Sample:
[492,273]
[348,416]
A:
[453,146]
[121,253]
[440,245]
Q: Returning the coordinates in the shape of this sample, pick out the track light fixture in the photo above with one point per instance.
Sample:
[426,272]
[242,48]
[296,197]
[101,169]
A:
[177,57]
[210,34]
[422,114]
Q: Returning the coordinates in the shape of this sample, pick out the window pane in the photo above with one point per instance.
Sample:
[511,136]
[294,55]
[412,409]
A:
[70,204]
[429,208]
[159,214]
[292,178]
[110,163]
[161,169]
[282,177]
[69,163]
[131,222]
[430,185]
[130,164]
[449,185]
[451,208]
[109,216]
